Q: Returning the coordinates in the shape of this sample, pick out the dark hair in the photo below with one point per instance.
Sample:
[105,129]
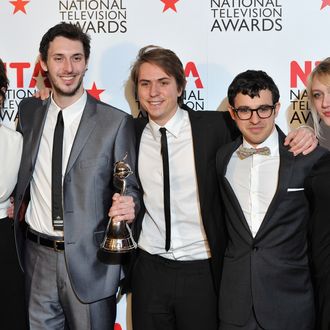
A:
[65,30]
[166,59]
[4,82]
[250,83]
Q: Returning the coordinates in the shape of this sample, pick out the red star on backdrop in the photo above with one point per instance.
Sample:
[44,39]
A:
[95,92]
[325,3]
[19,5]
[169,4]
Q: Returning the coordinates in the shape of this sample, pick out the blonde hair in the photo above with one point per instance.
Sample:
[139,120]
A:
[321,72]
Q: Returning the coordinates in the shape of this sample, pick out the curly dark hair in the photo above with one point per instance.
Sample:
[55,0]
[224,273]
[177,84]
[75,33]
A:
[4,82]
[250,83]
[68,31]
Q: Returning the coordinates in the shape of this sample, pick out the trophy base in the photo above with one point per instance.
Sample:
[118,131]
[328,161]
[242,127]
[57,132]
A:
[118,245]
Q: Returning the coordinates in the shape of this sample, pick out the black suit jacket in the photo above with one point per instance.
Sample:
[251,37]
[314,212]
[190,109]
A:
[317,189]
[269,272]
[210,130]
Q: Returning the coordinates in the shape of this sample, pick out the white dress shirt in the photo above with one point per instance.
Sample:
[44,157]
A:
[11,144]
[39,211]
[188,239]
[254,181]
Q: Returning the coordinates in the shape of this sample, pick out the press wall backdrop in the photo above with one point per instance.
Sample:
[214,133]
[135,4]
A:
[215,39]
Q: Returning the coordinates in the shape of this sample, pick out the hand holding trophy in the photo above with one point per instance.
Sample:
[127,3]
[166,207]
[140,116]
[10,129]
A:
[118,237]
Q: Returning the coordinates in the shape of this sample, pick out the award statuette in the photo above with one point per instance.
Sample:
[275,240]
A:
[118,237]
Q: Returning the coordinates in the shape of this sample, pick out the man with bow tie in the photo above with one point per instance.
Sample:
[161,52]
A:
[266,280]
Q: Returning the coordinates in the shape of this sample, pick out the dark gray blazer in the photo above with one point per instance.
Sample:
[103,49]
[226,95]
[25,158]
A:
[104,135]
[269,272]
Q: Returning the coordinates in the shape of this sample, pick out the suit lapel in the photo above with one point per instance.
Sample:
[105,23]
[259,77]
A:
[86,126]
[140,124]
[228,188]
[37,129]
[284,174]
[198,138]
[32,137]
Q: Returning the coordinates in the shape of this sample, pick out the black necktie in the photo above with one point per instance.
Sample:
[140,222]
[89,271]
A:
[57,207]
[166,177]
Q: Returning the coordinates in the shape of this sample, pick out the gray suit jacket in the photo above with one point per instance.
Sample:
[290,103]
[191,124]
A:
[269,272]
[104,135]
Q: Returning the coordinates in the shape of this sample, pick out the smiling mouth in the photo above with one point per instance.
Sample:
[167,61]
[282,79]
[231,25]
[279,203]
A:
[67,78]
[155,102]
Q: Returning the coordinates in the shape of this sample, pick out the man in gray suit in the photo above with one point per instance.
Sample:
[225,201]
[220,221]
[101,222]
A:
[67,284]
[266,280]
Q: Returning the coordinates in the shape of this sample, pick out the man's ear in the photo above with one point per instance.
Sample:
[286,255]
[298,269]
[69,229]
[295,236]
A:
[232,113]
[277,108]
[43,64]
[180,91]
[86,68]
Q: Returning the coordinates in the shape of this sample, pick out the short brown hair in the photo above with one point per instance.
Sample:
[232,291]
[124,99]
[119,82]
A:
[167,60]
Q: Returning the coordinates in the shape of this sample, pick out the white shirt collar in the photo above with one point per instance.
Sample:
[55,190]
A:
[71,112]
[173,126]
[271,142]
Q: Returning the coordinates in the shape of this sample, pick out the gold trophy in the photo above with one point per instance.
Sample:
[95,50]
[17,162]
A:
[118,237]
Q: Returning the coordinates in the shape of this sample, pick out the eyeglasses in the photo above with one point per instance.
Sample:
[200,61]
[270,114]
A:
[263,112]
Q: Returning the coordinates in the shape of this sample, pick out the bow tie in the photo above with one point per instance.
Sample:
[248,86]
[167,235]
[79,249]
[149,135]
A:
[243,152]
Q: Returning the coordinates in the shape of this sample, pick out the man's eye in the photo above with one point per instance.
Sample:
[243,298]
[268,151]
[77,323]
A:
[77,58]
[265,108]
[243,110]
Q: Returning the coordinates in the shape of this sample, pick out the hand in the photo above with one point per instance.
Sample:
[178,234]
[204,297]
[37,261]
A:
[301,140]
[43,94]
[10,209]
[123,208]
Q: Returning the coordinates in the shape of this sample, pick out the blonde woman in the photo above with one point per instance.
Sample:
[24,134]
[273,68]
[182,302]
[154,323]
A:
[318,89]
[318,188]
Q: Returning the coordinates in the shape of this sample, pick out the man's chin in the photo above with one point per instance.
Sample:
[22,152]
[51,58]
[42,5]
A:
[68,92]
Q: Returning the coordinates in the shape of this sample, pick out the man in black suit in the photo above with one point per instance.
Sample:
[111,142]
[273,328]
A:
[266,279]
[174,286]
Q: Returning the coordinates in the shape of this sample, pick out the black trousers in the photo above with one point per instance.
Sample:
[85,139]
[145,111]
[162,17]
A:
[251,324]
[172,295]
[13,311]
